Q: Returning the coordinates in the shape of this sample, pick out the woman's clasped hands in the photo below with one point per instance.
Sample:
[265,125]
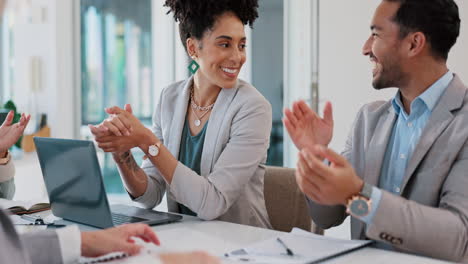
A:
[121,131]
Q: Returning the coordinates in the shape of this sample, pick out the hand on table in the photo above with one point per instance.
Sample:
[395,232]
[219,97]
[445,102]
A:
[327,185]
[306,128]
[98,243]
[10,133]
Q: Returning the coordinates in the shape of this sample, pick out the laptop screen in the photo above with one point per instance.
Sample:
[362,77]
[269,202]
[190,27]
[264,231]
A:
[73,180]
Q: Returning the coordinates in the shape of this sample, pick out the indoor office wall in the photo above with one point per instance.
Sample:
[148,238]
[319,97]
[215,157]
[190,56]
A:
[42,35]
[346,75]
[267,68]
[458,58]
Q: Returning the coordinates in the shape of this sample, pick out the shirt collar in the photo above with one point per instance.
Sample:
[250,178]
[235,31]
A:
[430,97]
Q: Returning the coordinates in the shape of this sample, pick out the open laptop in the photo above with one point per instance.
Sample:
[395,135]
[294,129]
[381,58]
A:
[75,186]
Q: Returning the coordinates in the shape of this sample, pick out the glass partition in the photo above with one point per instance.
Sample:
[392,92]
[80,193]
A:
[116,67]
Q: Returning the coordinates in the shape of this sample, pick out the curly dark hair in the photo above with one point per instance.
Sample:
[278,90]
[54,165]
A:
[437,19]
[197,16]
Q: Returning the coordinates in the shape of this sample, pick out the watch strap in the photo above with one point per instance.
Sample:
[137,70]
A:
[367,190]
[157,145]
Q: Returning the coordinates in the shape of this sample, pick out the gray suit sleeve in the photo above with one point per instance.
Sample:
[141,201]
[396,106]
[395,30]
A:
[43,247]
[440,232]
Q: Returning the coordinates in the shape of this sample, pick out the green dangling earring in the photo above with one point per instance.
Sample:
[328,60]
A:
[193,66]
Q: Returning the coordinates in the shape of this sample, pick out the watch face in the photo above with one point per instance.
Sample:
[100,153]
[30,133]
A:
[153,150]
[359,207]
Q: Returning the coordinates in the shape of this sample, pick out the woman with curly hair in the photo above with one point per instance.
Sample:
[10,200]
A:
[210,133]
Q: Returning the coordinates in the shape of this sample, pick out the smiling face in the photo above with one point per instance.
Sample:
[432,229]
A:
[383,48]
[221,52]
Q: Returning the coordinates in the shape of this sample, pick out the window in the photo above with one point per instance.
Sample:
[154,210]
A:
[6,56]
[267,70]
[116,57]
[116,67]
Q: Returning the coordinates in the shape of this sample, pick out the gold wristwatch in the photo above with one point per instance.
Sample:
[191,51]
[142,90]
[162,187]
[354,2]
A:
[360,205]
[154,149]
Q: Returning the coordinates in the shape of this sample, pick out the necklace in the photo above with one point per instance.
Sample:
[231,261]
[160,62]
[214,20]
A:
[196,107]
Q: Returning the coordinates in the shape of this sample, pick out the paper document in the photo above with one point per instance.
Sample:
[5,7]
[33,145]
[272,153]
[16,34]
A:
[304,246]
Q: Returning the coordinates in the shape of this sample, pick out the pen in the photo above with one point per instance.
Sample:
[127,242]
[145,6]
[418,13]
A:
[37,220]
[288,250]
[32,218]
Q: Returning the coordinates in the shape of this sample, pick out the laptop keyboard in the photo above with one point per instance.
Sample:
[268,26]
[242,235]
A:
[120,219]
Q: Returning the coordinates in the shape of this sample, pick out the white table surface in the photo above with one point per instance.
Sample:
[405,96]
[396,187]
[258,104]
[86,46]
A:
[239,236]
[232,236]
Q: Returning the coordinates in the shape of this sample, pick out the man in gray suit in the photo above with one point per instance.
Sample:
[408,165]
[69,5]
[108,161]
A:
[403,173]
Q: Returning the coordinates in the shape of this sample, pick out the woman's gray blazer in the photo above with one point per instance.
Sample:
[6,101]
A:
[230,187]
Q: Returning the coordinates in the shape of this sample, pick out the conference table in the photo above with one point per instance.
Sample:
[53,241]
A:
[218,237]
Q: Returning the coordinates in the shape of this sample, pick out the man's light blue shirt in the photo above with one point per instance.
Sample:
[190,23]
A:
[405,135]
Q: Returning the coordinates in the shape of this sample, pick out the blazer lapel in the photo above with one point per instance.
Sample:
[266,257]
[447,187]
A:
[375,154]
[220,108]
[178,120]
[441,117]
[378,146]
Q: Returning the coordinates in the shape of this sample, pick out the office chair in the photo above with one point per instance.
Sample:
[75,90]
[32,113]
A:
[286,204]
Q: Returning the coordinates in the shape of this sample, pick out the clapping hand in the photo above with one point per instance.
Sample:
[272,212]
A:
[306,128]
[10,133]
[120,132]
[326,184]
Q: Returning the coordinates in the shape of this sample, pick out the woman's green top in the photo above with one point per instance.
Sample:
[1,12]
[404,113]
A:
[191,149]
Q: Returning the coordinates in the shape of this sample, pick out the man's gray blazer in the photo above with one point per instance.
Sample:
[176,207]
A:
[431,216]
[35,248]
[230,187]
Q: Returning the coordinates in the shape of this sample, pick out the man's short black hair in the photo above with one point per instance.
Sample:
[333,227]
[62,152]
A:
[437,19]
[197,16]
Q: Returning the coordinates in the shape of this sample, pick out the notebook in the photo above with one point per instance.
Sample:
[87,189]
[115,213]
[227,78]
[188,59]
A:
[23,207]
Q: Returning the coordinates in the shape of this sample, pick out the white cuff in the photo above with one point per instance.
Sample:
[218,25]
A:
[70,243]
